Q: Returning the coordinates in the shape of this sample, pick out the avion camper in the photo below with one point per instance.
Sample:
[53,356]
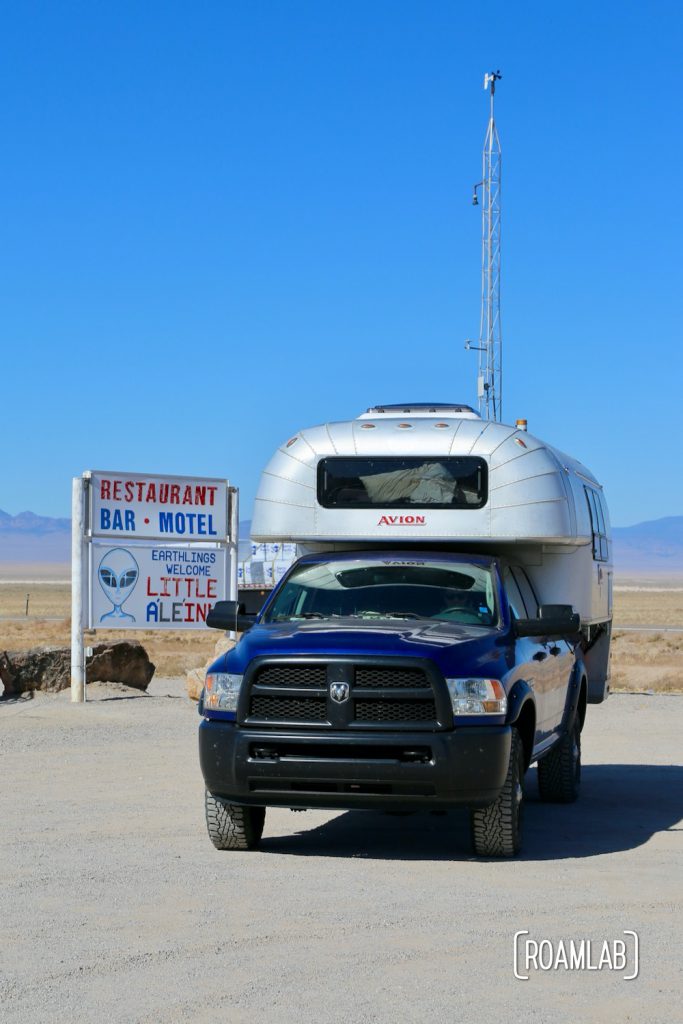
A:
[445,627]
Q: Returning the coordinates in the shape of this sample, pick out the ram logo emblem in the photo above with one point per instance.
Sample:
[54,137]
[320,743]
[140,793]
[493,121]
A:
[339,692]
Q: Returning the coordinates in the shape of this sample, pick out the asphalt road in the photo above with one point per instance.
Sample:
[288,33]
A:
[115,907]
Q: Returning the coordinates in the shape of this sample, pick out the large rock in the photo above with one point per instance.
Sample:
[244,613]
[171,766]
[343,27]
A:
[194,681]
[122,661]
[49,668]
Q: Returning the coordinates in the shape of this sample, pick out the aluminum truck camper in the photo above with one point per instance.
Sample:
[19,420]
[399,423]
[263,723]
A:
[445,627]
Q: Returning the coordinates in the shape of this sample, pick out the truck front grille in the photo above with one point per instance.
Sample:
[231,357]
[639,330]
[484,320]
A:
[289,709]
[382,677]
[292,675]
[385,694]
[395,710]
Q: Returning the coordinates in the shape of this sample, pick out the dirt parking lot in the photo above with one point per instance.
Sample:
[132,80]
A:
[114,906]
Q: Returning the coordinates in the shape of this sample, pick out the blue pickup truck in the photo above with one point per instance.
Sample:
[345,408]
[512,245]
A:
[393,680]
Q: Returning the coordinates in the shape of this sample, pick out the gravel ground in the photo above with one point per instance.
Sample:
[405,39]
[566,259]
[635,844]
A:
[114,906]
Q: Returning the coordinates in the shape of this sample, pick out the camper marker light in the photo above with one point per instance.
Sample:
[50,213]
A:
[221,691]
[477,697]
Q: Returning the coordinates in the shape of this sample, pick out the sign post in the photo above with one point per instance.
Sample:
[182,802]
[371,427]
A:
[148,552]
[77,580]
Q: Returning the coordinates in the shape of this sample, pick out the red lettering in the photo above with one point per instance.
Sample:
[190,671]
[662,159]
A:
[173,494]
[150,593]
[402,521]
[196,612]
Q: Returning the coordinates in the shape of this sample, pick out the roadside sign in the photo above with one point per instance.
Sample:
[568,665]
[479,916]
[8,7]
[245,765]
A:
[154,586]
[148,552]
[160,507]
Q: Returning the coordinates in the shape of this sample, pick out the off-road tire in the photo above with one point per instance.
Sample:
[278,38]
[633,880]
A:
[233,826]
[496,830]
[559,772]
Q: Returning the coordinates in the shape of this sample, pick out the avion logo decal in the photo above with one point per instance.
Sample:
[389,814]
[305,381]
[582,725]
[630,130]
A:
[402,521]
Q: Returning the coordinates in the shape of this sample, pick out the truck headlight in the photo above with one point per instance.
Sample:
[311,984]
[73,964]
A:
[477,697]
[221,691]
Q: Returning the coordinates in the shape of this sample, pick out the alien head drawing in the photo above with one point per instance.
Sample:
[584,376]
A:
[118,573]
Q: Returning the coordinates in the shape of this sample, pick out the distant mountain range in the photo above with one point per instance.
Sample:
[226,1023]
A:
[31,538]
[654,546]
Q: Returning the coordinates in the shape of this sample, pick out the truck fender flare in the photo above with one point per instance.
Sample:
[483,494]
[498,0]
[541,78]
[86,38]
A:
[573,693]
[520,694]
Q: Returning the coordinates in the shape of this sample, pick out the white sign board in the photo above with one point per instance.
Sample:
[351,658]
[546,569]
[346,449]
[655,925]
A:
[154,586]
[137,505]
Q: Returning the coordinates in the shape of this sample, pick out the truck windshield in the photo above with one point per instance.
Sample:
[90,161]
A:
[448,591]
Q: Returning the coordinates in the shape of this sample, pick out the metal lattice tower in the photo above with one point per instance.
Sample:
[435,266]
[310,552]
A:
[490,375]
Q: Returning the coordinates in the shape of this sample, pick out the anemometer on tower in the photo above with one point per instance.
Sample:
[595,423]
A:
[490,374]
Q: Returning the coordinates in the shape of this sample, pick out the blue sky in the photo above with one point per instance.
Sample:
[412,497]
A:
[225,221]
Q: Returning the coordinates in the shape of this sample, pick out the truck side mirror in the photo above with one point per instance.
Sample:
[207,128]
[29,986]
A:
[229,615]
[554,620]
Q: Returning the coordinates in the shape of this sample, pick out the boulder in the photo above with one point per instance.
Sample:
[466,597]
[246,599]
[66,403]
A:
[39,668]
[194,681]
[49,668]
[120,661]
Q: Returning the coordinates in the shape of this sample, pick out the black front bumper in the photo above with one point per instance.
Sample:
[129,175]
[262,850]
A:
[289,768]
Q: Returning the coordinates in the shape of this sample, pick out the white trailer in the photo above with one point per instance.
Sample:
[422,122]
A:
[438,475]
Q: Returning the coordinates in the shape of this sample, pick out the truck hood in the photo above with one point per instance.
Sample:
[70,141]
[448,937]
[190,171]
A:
[452,646]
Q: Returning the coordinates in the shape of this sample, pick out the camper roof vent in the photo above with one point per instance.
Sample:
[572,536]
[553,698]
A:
[422,409]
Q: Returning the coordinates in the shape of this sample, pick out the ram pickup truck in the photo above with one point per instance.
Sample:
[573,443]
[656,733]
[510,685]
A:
[393,680]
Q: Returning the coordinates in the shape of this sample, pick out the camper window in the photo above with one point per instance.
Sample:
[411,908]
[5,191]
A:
[402,482]
[600,552]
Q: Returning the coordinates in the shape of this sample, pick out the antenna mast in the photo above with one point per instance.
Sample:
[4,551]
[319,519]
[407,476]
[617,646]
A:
[490,375]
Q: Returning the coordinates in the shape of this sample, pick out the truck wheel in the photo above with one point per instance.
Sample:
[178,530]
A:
[496,830]
[233,826]
[559,772]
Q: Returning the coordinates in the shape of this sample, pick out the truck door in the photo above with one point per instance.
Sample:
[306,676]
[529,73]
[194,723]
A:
[534,662]
[560,657]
